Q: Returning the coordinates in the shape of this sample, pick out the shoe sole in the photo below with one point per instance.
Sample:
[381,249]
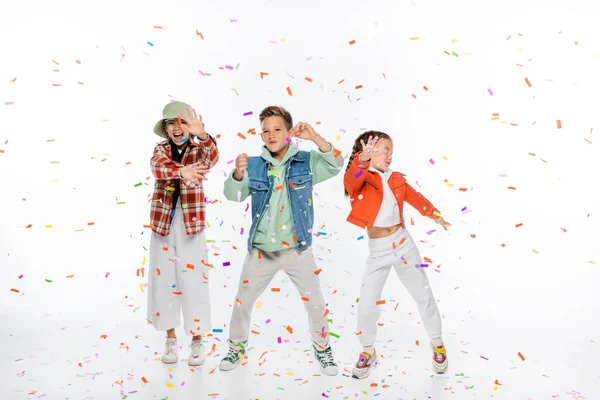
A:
[440,370]
[367,375]
[322,370]
[167,362]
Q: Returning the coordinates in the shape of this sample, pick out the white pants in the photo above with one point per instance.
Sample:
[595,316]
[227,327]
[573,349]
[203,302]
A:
[178,280]
[404,257]
[256,275]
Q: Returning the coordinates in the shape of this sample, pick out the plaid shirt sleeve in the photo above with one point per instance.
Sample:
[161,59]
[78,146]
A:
[208,151]
[163,167]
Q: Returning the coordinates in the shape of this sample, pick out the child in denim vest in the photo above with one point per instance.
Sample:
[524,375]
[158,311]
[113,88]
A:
[280,183]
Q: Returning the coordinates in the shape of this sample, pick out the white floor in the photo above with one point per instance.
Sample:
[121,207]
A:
[52,347]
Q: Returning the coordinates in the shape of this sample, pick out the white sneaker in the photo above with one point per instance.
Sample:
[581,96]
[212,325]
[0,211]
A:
[235,354]
[170,355]
[197,355]
[325,359]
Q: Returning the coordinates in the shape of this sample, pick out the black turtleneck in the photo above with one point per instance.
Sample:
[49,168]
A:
[176,156]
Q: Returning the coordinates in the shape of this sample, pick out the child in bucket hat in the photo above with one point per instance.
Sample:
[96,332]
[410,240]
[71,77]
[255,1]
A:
[178,279]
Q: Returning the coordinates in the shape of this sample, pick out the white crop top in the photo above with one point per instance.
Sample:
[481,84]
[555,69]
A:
[389,212]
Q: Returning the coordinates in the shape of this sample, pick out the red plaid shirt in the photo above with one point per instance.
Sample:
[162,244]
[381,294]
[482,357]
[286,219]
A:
[165,171]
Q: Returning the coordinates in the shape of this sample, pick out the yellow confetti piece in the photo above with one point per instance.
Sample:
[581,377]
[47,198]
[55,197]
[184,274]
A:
[289,373]
[142,287]
[445,158]
[207,224]
[258,304]
[450,184]
[54,180]
[170,385]
[453,40]
[591,262]
[48,226]
[337,138]
[144,261]
[105,120]
[414,38]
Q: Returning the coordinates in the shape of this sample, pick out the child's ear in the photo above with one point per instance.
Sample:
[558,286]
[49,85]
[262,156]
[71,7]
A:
[291,132]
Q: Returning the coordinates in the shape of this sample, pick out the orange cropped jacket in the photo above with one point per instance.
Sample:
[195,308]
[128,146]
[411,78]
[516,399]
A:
[366,194]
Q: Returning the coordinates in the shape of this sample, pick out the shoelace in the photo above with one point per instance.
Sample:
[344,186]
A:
[233,355]
[169,347]
[327,357]
[196,345]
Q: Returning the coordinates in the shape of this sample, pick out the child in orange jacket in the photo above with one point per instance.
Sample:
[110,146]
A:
[377,195]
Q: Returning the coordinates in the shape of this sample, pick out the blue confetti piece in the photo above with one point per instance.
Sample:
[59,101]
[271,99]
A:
[360,238]
[184,140]
[150,43]
[218,330]
[322,233]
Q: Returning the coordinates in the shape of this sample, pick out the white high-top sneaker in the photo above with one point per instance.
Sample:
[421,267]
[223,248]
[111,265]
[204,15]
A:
[170,355]
[197,354]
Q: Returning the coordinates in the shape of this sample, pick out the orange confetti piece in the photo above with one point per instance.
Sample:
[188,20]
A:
[157,27]
[358,87]
[518,225]
[512,188]
[177,293]
[256,333]
[148,226]
[352,42]
[55,62]
[558,124]
[286,244]
[521,356]
[157,271]
[57,84]
[90,223]
[317,272]
[70,276]
[1,151]
[199,34]
[358,333]
[144,380]
[245,282]
[425,88]
[259,255]
[463,189]
[179,119]
[157,314]
[473,236]
[275,289]
[417,342]
[326,312]
[14,79]
[165,249]
[336,153]
[305,299]
[190,266]
[527,82]
[242,136]
[374,385]
[279,187]
[14,290]
[289,90]
[289,329]
[28,226]
[341,81]
[308,79]
[103,336]
[263,74]
[402,240]
[380,302]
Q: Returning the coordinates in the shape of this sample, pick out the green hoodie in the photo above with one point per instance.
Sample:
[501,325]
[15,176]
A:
[275,226]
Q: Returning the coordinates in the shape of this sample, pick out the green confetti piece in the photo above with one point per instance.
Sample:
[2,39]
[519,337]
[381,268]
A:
[104,159]
[330,321]
[135,309]
[335,335]
[54,162]
[495,118]
[49,140]
[358,298]
[49,280]
[454,54]
[138,184]
[446,52]
[535,251]
[280,388]
[274,172]
[78,230]
[210,241]
[120,202]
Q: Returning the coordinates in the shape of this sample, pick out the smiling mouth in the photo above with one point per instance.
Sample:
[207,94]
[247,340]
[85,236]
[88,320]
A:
[178,136]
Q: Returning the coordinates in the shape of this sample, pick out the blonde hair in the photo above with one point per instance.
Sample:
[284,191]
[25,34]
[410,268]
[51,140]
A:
[277,111]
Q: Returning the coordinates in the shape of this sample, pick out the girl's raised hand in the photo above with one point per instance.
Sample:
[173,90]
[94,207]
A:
[370,149]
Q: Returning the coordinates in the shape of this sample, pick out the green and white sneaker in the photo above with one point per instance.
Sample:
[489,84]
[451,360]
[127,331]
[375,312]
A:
[325,359]
[234,356]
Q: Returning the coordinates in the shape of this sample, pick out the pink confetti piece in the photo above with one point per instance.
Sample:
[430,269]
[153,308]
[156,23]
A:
[279,340]
[247,113]
[431,161]
[233,20]
[563,229]
[267,321]
[229,67]
[359,173]
[490,92]
[242,231]
[202,73]
[431,231]
[107,274]
[20,276]
[414,96]
[9,103]
[509,36]
[247,206]
[229,162]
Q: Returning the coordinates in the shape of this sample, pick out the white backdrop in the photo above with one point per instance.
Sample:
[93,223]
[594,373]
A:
[470,91]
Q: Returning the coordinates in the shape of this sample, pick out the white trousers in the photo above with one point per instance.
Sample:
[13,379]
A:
[178,281]
[256,275]
[404,258]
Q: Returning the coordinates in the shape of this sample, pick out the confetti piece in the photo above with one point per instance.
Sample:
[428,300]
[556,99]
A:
[263,74]
[380,302]
[275,289]
[558,124]
[144,380]
[521,356]
[14,290]
[289,90]
[527,82]
[8,103]
[108,273]
[170,385]
[305,299]
[352,42]
[335,335]
[308,79]
[487,359]
[150,43]
[490,92]
[317,272]
[358,87]
[70,276]
[518,225]
[289,329]
[247,113]
[414,38]
[49,280]
[242,136]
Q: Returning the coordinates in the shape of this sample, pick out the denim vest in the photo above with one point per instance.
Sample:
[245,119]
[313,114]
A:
[299,186]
